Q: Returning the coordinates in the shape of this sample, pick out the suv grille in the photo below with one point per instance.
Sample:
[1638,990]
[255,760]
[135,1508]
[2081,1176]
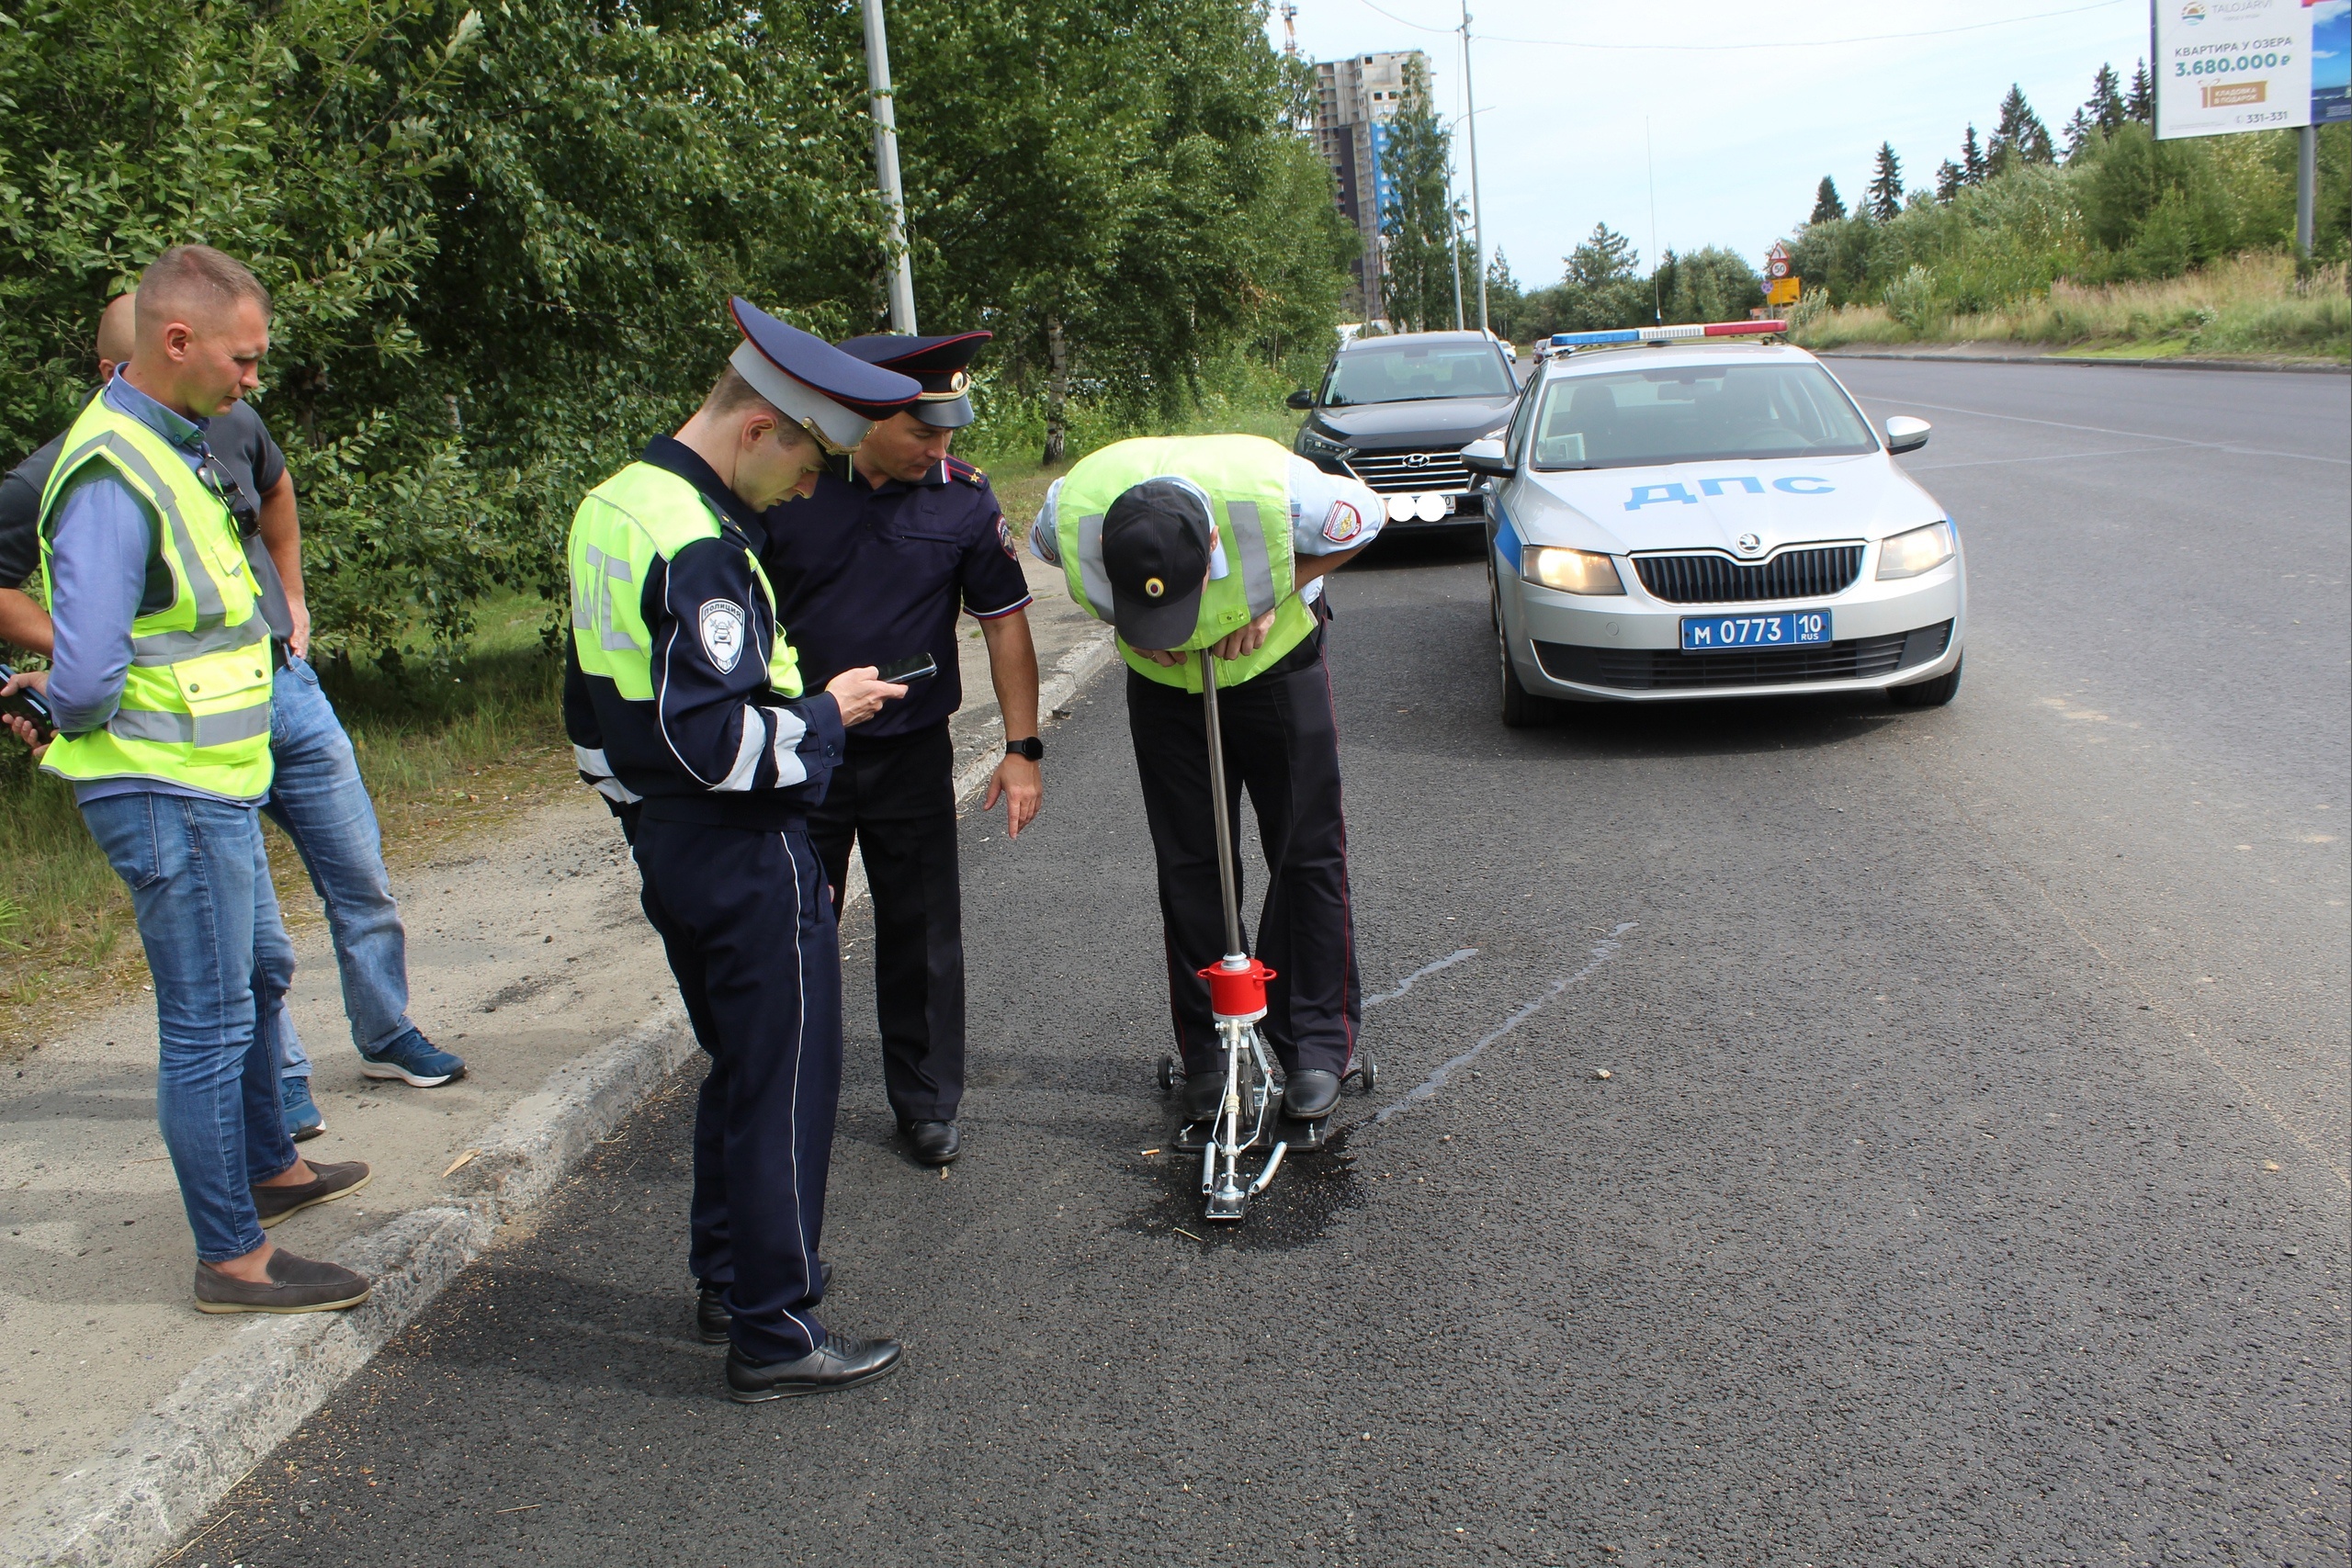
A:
[1656,669]
[1398,473]
[1719,580]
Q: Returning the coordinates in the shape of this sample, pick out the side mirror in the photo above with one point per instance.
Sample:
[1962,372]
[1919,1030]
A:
[1905,434]
[1485,456]
[1302,398]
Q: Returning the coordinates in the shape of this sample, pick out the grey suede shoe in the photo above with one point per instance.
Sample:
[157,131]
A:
[328,1182]
[296,1285]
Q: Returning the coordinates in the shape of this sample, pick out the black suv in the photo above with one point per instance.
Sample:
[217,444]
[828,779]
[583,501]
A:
[1395,413]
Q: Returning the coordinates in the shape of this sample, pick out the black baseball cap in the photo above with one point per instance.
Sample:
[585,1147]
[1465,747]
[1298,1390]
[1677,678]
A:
[1155,542]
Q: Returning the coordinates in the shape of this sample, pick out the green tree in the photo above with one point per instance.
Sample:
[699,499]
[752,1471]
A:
[2019,137]
[1708,285]
[1972,158]
[1885,195]
[1603,286]
[1418,220]
[2102,114]
[1507,304]
[1119,195]
[1828,207]
[2141,104]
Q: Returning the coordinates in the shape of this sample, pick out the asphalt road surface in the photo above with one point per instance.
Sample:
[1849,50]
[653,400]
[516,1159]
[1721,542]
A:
[1968,1184]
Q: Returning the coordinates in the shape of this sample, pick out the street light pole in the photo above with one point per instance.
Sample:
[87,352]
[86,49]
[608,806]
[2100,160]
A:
[886,169]
[1477,223]
[2306,175]
[1454,256]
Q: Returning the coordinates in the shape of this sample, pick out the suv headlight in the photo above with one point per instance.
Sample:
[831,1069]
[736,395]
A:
[1313,446]
[1570,572]
[1921,549]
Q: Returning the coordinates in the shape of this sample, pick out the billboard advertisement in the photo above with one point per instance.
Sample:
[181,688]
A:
[2231,66]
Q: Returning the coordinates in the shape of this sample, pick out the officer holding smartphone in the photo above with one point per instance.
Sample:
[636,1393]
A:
[878,569]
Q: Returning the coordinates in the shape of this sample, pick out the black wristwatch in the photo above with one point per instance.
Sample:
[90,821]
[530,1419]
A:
[1033,748]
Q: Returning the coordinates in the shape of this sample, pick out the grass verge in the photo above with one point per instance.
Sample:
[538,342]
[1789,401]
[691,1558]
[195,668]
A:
[2250,307]
[446,752]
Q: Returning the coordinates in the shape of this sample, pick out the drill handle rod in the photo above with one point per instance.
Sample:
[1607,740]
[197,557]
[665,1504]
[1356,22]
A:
[1235,957]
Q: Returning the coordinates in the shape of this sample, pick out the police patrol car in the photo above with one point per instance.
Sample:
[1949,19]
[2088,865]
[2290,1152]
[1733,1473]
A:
[1674,513]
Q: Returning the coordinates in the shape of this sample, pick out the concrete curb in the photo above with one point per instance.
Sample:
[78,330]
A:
[2108,363]
[173,1463]
[167,1469]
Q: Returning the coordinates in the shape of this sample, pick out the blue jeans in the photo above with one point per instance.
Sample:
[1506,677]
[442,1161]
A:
[319,799]
[207,916]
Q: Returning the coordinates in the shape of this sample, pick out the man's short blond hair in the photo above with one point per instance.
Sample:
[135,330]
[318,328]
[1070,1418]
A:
[733,394]
[196,277]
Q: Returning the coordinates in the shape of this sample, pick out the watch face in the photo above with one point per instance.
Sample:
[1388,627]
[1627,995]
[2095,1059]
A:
[1033,748]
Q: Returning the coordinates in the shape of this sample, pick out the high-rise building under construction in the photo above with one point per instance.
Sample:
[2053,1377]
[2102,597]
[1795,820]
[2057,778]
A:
[1355,99]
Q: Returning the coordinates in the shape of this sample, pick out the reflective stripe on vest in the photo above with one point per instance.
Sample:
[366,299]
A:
[195,702]
[1248,482]
[641,515]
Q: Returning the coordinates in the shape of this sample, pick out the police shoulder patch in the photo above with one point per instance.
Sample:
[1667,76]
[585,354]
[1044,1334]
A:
[1344,523]
[959,469]
[721,624]
[1004,537]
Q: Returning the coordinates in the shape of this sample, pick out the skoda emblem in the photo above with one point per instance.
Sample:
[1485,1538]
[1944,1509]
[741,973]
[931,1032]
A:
[1749,544]
[1153,587]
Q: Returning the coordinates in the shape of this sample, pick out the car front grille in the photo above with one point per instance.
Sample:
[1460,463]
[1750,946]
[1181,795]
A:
[1662,670]
[1718,580]
[1412,473]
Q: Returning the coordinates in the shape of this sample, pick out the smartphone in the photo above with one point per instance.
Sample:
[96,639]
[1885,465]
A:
[28,702]
[899,672]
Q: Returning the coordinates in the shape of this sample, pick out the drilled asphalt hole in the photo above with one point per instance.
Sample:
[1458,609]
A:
[1308,1191]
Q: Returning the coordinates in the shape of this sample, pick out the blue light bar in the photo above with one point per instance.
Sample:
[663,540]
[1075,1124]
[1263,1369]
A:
[1682,333]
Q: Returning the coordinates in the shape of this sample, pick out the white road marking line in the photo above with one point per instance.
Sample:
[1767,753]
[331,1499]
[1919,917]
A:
[2181,441]
[1424,971]
[1603,952]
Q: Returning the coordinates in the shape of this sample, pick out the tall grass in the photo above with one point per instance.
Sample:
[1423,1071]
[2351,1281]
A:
[2250,304]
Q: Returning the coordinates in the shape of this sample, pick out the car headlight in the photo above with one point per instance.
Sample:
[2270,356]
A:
[1313,446]
[1921,549]
[1570,572]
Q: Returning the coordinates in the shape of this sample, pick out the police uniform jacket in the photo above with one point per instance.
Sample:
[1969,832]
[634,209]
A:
[866,574]
[717,743]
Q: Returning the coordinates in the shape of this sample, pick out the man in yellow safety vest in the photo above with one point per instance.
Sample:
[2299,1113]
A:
[1220,543]
[160,690]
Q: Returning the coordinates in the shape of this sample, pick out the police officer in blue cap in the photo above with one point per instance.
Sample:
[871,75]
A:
[877,566]
[689,712]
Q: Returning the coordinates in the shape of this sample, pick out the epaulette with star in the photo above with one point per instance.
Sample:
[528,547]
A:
[959,469]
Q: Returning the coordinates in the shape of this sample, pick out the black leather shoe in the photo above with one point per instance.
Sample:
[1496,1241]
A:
[843,1362]
[710,1307]
[1203,1096]
[932,1143]
[1309,1094]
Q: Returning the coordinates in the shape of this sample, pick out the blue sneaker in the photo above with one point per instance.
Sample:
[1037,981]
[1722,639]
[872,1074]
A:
[303,1118]
[412,1059]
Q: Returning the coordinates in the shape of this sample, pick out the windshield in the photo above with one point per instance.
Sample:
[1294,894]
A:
[1696,414]
[1414,372]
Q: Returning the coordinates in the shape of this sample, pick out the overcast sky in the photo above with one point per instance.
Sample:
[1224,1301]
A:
[1741,136]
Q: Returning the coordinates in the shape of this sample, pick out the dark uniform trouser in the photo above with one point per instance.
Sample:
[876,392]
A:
[750,935]
[1281,740]
[897,799]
